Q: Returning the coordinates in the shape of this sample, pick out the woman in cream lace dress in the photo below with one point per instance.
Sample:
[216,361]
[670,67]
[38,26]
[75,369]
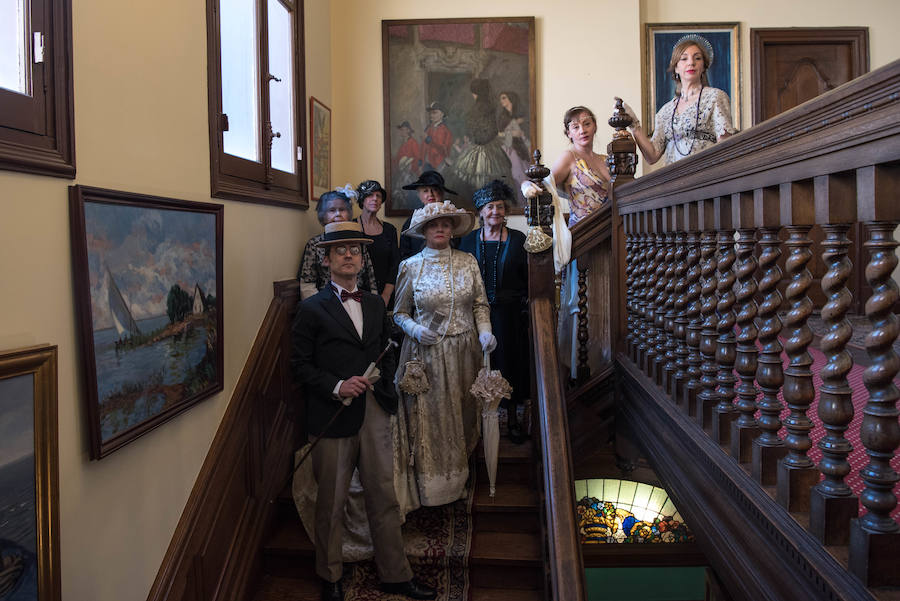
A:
[441,305]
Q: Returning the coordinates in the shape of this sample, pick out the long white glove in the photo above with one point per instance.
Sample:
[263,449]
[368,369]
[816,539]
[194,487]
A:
[488,342]
[635,122]
[530,189]
[424,335]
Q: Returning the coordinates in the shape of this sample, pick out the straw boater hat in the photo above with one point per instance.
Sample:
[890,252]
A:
[463,220]
[343,232]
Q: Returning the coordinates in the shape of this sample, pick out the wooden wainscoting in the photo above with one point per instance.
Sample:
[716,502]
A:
[213,554]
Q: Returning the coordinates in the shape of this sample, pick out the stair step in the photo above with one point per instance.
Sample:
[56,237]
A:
[505,594]
[289,553]
[514,508]
[509,452]
[506,548]
[273,588]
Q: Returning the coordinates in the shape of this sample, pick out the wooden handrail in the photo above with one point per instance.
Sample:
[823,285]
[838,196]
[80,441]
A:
[566,565]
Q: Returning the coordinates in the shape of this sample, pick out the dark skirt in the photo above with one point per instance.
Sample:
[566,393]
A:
[510,324]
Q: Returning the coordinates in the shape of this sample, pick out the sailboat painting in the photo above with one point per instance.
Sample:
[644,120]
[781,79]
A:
[148,280]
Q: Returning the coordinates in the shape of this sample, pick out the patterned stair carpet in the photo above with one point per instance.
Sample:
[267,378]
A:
[438,540]
[858,458]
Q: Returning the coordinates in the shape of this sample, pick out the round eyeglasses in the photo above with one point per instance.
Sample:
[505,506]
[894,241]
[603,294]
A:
[342,250]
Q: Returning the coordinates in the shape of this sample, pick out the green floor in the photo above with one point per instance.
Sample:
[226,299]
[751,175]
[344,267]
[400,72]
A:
[645,584]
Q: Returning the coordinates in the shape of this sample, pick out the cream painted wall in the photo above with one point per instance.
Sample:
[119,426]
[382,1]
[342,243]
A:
[880,16]
[140,126]
[573,65]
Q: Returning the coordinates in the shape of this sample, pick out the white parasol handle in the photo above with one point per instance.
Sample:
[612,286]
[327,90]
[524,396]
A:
[487,360]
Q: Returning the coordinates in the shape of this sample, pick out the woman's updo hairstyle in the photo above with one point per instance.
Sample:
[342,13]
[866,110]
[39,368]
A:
[570,116]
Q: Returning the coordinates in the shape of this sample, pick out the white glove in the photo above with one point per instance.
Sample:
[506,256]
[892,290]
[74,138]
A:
[635,122]
[530,189]
[424,335]
[488,342]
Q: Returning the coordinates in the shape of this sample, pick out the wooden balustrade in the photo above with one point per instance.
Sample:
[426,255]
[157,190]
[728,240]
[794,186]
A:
[701,315]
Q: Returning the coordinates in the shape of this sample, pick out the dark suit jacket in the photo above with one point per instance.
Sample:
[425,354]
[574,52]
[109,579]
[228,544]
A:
[326,349]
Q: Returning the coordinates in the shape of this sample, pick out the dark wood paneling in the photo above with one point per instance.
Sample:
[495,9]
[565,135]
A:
[213,554]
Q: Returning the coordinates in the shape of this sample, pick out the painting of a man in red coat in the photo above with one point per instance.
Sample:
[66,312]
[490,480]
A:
[438,140]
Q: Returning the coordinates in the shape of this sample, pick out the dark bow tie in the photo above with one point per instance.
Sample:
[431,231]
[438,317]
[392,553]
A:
[357,296]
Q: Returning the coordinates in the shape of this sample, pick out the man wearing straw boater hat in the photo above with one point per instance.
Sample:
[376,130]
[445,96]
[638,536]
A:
[337,336]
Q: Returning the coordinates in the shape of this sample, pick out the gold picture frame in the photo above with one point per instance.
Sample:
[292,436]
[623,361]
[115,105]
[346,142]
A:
[29,467]
[725,72]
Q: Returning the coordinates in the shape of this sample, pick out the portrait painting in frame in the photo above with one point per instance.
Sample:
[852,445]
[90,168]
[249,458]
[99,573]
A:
[320,148]
[459,98]
[148,288]
[724,73]
[29,486]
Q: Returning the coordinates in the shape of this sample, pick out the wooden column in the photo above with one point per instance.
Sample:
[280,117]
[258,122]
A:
[664,296]
[832,503]
[656,286]
[582,370]
[692,309]
[630,267]
[639,276]
[647,283]
[707,397]
[725,342]
[768,448]
[676,373]
[796,472]
[875,537]
[744,429]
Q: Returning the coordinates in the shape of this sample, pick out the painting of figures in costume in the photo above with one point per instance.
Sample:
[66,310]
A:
[148,277]
[459,98]
[29,518]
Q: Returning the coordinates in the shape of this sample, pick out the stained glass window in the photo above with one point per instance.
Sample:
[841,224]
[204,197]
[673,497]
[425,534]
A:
[622,511]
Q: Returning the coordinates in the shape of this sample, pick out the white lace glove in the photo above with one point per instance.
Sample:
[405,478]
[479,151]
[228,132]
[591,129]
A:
[488,342]
[530,189]
[424,335]
[635,122]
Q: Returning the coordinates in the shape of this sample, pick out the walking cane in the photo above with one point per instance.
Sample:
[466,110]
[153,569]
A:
[334,417]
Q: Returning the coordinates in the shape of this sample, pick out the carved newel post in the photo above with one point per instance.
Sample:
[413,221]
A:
[621,153]
[538,242]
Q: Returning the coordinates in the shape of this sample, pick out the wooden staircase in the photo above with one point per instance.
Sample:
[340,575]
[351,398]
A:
[505,561]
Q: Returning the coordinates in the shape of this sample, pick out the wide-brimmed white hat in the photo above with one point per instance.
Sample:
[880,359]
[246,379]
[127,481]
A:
[463,220]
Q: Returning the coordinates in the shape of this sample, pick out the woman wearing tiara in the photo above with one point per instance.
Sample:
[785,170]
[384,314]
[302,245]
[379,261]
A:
[697,117]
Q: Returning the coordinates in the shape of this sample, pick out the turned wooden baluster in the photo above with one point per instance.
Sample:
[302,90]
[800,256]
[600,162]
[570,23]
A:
[768,448]
[725,342]
[707,397]
[681,319]
[744,429]
[647,284]
[582,372]
[692,309]
[832,504]
[875,537]
[658,267]
[664,298]
[668,369]
[638,277]
[796,472]
[630,267]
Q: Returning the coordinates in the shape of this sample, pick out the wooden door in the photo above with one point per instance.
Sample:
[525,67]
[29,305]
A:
[789,66]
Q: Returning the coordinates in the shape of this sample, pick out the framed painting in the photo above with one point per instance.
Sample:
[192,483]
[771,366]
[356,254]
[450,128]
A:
[148,290]
[459,98]
[320,148]
[29,464]
[724,73]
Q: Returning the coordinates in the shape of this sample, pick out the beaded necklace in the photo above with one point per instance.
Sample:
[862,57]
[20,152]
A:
[482,263]
[696,124]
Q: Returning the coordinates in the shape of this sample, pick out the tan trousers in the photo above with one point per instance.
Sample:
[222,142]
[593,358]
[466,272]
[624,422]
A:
[333,461]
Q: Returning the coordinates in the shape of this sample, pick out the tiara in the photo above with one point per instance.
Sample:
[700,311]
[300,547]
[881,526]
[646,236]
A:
[700,41]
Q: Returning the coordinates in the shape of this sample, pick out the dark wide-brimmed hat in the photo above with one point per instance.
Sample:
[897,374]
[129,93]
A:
[406,124]
[343,232]
[431,179]
[496,190]
[463,220]
[436,106]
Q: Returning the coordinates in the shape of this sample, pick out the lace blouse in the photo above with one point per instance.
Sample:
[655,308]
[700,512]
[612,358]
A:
[714,121]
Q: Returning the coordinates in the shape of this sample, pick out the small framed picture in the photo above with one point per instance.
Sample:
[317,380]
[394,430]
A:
[319,148]
[724,73]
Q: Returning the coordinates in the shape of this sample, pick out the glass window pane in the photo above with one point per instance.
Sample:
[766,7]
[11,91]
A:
[15,66]
[281,93]
[240,77]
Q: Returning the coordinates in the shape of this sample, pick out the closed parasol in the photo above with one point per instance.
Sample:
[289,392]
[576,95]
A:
[490,387]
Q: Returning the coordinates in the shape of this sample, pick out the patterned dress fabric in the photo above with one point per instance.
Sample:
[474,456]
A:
[586,190]
[685,139]
[443,291]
